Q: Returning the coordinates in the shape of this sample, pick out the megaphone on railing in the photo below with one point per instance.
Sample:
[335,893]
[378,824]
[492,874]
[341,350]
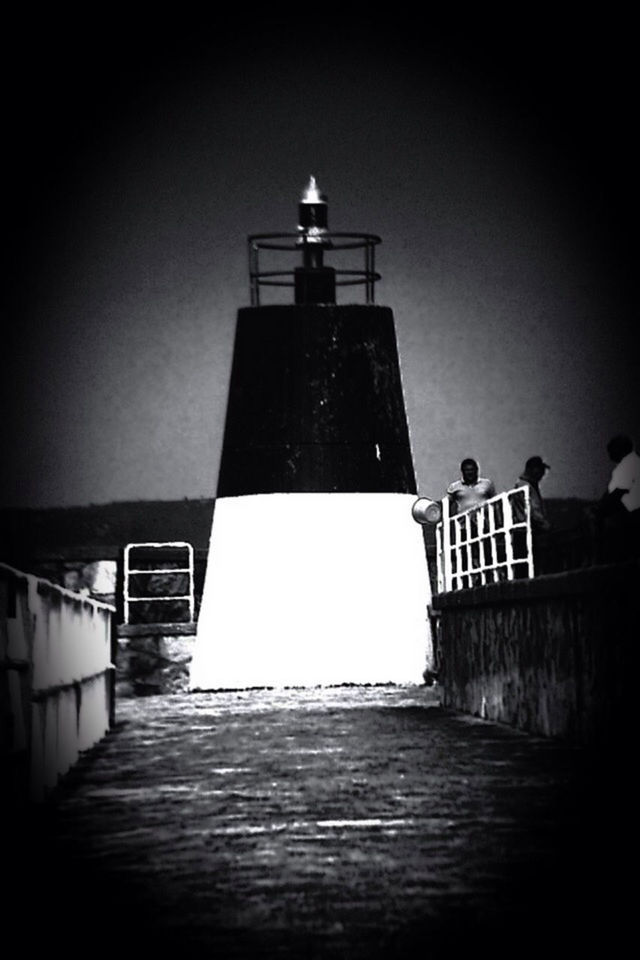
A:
[425,510]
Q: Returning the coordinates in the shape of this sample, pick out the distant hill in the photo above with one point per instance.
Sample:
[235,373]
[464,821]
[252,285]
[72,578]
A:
[99,532]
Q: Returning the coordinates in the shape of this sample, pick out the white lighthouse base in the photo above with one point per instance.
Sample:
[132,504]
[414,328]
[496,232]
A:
[311,589]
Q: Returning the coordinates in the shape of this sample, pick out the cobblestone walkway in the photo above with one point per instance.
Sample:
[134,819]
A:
[360,823]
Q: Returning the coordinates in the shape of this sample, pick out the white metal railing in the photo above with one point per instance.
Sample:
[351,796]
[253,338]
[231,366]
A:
[160,550]
[485,544]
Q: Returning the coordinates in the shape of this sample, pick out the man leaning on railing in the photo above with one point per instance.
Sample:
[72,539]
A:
[471,489]
[469,493]
[534,472]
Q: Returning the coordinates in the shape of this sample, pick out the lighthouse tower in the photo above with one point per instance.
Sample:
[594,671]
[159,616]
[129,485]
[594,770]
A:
[317,572]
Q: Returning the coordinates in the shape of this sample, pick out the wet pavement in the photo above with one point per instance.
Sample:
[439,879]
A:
[351,822]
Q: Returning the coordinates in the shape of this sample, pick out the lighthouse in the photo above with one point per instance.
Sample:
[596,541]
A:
[316,571]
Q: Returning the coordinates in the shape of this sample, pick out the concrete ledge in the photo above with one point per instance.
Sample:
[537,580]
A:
[156,629]
[571,583]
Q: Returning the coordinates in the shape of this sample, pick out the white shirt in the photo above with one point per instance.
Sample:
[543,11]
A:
[626,476]
[467,495]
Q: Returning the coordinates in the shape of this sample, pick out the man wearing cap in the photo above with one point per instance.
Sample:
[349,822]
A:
[534,471]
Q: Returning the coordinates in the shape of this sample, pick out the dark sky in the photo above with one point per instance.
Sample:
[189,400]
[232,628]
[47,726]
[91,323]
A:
[494,159]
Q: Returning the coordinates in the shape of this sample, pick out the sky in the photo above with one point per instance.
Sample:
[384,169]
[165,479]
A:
[494,159]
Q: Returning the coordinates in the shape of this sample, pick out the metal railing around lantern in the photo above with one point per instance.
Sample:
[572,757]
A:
[366,277]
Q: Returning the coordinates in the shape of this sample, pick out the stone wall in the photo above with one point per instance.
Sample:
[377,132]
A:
[153,658]
[555,655]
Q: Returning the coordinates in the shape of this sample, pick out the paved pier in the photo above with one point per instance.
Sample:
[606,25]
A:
[360,823]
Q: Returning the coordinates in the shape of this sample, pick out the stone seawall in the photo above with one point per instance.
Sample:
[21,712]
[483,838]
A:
[154,658]
[555,655]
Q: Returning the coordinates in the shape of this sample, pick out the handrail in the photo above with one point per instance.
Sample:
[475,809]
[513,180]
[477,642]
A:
[485,544]
[129,571]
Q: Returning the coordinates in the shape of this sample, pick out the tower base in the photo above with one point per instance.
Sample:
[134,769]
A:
[313,589]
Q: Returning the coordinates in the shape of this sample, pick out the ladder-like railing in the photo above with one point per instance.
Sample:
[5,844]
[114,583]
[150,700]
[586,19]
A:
[171,560]
[486,544]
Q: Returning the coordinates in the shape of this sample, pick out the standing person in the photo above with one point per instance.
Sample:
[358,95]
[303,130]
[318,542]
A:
[615,520]
[471,490]
[466,494]
[534,471]
[624,484]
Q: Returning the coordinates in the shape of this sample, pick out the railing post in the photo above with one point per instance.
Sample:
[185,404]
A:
[446,545]
[254,291]
[468,550]
[125,587]
[482,513]
[527,517]
[113,644]
[508,539]
[492,541]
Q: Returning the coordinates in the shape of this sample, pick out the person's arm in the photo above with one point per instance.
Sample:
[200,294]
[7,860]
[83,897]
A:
[538,517]
[517,503]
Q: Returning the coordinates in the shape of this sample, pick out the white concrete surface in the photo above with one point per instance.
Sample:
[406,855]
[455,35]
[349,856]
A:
[313,589]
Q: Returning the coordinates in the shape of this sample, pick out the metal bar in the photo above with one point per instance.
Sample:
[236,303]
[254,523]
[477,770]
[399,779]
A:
[252,274]
[482,566]
[277,273]
[164,596]
[527,513]
[446,545]
[457,532]
[160,543]
[355,273]
[256,270]
[367,271]
[439,557]
[374,276]
[508,540]
[192,599]
[492,541]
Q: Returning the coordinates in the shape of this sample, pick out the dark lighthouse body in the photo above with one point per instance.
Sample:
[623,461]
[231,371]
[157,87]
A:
[316,571]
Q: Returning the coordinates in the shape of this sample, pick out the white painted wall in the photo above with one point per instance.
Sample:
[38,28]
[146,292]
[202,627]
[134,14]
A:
[313,589]
[65,637]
